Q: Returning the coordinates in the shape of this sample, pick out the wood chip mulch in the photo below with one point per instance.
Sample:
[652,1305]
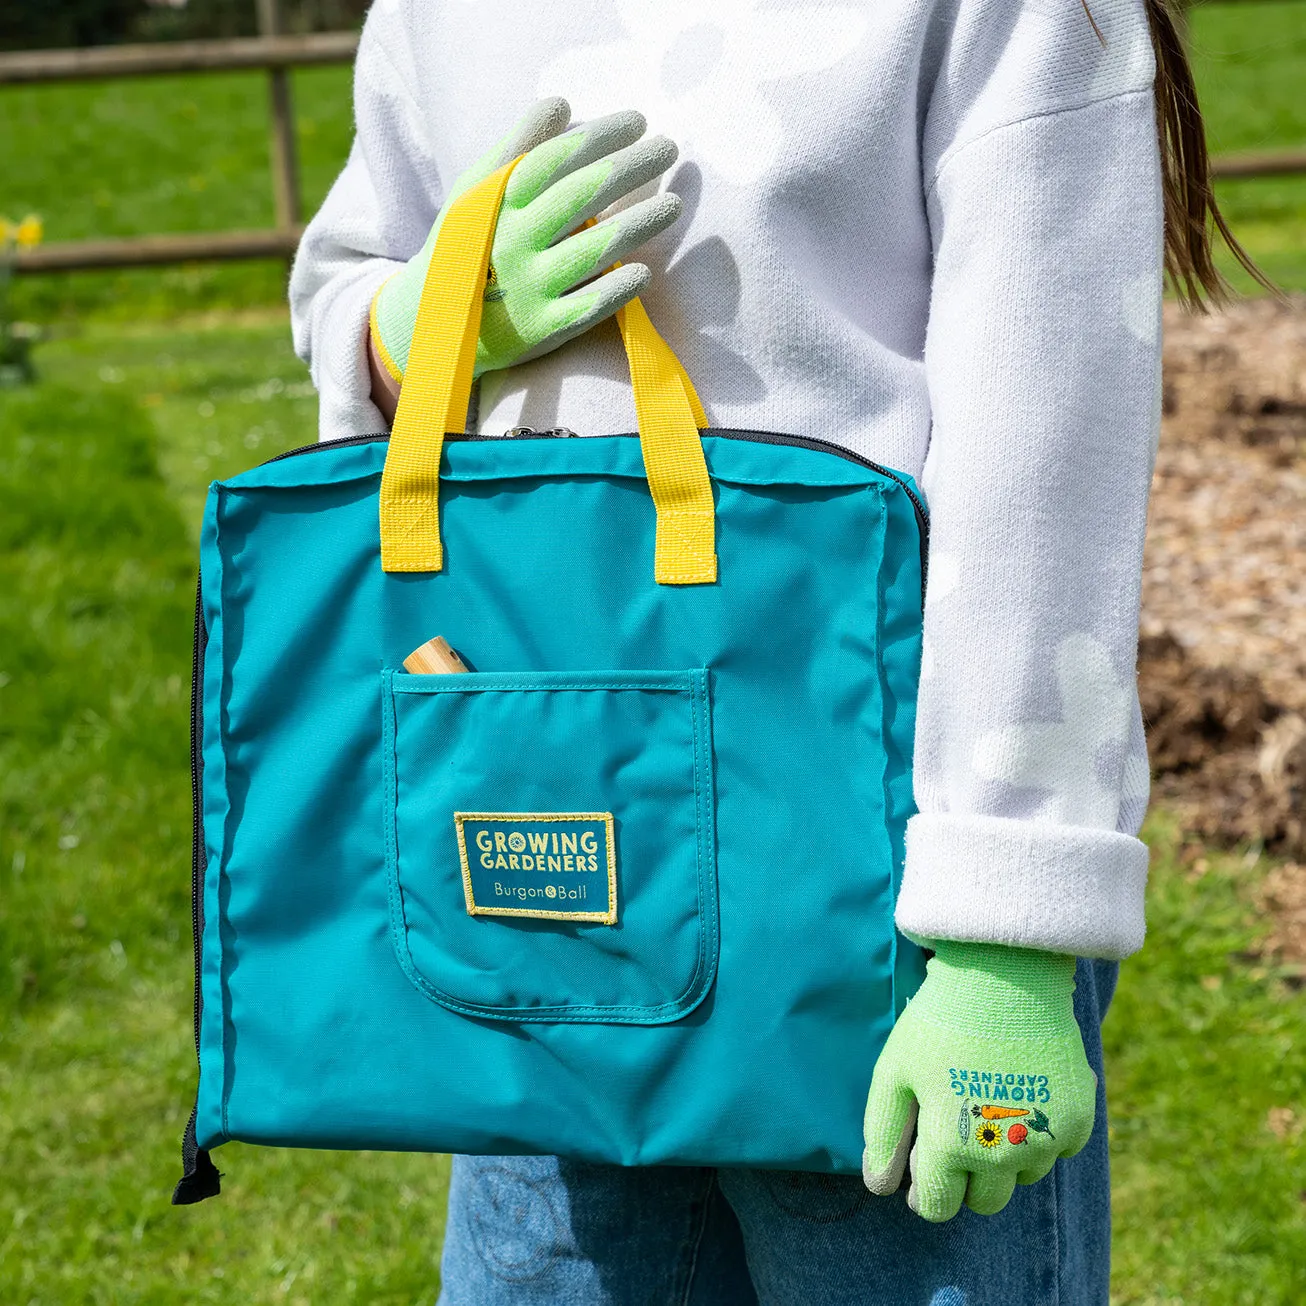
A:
[1222,657]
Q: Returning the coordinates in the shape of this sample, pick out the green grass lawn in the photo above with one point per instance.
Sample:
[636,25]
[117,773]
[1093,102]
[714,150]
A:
[165,154]
[102,468]
[1250,61]
[101,473]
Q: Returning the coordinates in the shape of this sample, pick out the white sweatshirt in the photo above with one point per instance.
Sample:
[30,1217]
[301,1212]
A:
[929,230]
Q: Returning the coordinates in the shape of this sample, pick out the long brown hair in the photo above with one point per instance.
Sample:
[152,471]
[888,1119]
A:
[1192,215]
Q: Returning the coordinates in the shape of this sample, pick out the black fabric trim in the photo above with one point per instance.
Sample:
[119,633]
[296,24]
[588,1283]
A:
[200,1177]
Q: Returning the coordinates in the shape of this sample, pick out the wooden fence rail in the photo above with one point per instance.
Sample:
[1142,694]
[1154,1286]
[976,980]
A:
[277,53]
[273,51]
[147,251]
[1278,163]
[98,62]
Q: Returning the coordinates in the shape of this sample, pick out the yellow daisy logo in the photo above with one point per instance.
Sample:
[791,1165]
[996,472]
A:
[988,1134]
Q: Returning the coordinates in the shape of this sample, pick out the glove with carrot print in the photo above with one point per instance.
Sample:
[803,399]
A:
[983,1082]
[544,288]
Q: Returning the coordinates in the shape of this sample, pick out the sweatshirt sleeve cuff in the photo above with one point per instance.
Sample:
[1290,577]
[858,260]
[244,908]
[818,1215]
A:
[1028,884]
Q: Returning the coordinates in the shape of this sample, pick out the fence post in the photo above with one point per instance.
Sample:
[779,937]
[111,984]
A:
[285,158]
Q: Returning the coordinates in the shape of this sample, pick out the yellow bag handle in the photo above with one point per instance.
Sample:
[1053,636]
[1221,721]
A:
[437,390]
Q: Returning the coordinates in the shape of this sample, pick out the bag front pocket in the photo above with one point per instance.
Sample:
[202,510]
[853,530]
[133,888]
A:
[550,842]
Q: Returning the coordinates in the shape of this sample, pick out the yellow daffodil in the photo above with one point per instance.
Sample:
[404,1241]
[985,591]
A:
[29,231]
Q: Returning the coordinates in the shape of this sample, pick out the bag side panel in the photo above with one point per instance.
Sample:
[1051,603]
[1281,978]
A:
[900,667]
[213,791]
[312,993]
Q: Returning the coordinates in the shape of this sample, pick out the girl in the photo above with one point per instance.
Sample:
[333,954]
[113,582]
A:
[933,231]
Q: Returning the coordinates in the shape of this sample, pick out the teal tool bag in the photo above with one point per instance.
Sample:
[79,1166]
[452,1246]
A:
[623,890]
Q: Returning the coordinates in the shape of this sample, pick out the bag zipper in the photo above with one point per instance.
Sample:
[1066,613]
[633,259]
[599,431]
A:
[756,437]
[200,1178]
[811,442]
[325,444]
[196,784]
[767,437]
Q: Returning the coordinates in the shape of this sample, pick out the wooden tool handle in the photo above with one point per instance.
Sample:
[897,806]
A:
[434,658]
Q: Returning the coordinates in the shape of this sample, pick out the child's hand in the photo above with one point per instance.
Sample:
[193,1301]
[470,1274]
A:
[988,1066]
[531,304]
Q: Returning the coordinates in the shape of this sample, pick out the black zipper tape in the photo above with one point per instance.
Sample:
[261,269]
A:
[810,442]
[730,433]
[200,1177]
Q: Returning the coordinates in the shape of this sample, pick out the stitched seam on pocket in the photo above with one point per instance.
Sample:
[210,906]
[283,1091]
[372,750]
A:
[704,838]
[471,683]
[699,983]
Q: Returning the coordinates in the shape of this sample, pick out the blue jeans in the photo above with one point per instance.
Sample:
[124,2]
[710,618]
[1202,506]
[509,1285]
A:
[540,1231]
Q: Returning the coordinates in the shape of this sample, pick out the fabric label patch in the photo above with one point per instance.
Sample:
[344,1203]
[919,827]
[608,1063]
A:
[553,865]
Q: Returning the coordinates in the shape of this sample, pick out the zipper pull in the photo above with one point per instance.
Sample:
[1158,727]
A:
[560,431]
[516,432]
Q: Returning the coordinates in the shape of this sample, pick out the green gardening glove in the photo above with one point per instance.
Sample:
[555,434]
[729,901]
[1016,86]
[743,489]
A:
[987,1066]
[532,304]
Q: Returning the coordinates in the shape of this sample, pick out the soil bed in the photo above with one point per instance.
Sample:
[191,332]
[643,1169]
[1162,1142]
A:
[1222,658]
